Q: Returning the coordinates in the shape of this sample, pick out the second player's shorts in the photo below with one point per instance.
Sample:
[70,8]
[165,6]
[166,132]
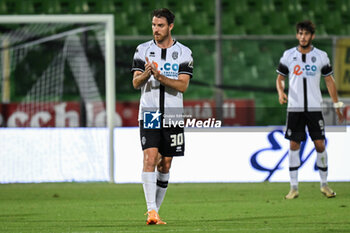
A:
[296,122]
[169,141]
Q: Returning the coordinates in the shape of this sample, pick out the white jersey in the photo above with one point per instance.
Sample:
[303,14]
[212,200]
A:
[304,72]
[170,62]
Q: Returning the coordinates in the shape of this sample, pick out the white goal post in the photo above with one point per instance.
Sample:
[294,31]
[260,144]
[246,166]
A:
[108,21]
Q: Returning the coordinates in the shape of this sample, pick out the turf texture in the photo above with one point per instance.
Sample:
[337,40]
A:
[214,207]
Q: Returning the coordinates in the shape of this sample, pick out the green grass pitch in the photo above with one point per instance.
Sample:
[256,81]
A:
[214,207]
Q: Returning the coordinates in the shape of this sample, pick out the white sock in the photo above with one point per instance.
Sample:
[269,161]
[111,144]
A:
[294,164]
[149,188]
[162,185]
[322,164]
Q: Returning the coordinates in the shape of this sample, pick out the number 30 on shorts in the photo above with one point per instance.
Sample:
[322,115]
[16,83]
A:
[177,139]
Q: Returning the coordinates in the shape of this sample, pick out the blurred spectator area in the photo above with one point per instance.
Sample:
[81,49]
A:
[243,17]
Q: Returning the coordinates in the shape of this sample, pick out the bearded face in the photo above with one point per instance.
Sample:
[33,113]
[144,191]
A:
[305,38]
[161,29]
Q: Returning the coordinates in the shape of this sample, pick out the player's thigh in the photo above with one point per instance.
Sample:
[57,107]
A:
[172,142]
[295,129]
[315,125]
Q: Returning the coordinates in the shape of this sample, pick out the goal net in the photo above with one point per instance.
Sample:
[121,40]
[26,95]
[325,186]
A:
[53,75]
[57,72]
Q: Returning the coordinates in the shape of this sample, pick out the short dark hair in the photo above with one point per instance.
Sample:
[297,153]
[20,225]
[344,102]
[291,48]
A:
[164,12]
[306,25]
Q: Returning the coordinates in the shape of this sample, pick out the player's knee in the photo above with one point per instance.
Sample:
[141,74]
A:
[294,145]
[319,146]
[150,160]
[148,167]
[164,168]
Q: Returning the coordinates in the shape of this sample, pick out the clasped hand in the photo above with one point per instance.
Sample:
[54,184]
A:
[151,69]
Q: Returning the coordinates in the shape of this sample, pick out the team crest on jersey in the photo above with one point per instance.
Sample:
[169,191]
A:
[175,55]
[313,59]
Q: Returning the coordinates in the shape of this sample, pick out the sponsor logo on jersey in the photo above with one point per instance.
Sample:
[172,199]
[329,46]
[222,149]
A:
[152,54]
[168,69]
[309,70]
[297,70]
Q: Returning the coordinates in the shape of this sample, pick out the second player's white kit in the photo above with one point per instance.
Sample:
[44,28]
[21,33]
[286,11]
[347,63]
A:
[304,72]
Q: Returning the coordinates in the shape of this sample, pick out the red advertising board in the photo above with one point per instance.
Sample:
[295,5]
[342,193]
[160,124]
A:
[67,114]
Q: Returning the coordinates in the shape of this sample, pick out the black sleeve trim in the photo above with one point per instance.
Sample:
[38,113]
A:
[326,70]
[136,69]
[282,69]
[185,68]
[138,64]
[183,72]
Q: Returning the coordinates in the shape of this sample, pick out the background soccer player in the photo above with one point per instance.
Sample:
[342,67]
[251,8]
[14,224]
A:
[162,69]
[304,65]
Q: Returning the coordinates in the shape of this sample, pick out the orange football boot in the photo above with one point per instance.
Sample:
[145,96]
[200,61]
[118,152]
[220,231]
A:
[153,217]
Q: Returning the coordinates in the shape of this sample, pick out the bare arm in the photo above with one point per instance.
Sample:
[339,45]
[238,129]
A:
[179,84]
[332,90]
[282,97]
[140,78]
